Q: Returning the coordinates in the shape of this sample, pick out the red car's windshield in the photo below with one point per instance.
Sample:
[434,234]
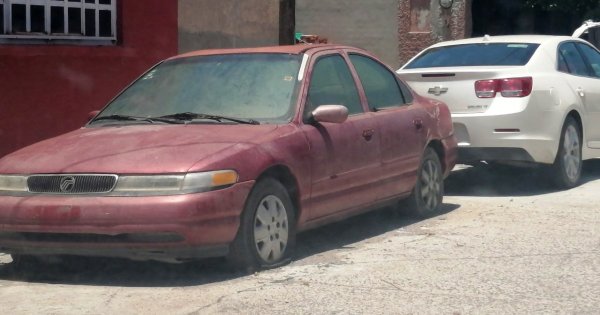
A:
[247,86]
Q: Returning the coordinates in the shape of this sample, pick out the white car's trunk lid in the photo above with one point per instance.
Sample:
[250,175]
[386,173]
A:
[455,86]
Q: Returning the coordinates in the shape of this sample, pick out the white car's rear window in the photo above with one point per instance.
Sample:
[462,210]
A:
[480,54]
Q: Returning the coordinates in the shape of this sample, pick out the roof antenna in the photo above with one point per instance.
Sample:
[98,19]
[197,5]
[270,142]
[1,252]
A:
[486,38]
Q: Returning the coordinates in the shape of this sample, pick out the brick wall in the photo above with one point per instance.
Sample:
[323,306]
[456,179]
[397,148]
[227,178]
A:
[424,22]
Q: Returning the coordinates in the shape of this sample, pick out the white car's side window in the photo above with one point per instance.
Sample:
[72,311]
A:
[573,60]
[593,58]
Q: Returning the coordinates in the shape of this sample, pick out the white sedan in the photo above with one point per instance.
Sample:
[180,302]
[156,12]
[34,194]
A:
[522,99]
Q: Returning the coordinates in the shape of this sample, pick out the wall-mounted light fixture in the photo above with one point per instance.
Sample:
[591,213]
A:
[446,4]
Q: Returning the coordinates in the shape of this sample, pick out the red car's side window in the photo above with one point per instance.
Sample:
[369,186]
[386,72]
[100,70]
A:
[379,83]
[332,84]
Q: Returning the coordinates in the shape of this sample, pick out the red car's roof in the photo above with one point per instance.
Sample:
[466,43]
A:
[291,49]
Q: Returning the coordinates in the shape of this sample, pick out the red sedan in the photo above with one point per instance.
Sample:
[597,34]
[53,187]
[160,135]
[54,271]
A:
[228,153]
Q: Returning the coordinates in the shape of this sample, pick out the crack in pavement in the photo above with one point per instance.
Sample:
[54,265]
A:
[479,296]
[482,257]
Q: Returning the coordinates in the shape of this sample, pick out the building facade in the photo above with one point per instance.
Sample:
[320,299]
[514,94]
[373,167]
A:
[59,60]
[395,30]
[228,23]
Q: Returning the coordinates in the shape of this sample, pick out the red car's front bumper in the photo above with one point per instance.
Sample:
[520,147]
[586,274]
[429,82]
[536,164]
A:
[157,227]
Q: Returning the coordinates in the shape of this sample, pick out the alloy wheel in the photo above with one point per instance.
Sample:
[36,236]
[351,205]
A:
[430,185]
[571,153]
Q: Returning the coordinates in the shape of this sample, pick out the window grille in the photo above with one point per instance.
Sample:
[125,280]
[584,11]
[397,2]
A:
[86,21]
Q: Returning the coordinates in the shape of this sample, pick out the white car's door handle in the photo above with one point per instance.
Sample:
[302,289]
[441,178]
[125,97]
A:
[581,92]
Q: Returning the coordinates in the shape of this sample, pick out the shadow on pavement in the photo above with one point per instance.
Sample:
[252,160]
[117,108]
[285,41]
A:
[356,229]
[122,272]
[591,170]
[502,180]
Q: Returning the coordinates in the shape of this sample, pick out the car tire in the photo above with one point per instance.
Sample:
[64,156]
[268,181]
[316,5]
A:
[18,259]
[266,236]
[428,193]
[566,171]
[33,260]
[26,263]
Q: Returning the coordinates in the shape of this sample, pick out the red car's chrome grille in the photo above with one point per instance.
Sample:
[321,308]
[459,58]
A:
[71,184]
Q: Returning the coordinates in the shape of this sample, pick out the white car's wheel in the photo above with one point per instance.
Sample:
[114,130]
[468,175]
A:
[566,170]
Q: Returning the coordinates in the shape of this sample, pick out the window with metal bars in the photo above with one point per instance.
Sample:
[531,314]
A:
[80,21]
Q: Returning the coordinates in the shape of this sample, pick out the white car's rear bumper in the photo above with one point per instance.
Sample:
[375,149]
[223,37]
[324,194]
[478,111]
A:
[530,135]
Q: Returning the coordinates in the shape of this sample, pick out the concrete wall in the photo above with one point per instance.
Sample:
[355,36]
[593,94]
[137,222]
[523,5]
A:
[46,90]
[205,24]
[372,24]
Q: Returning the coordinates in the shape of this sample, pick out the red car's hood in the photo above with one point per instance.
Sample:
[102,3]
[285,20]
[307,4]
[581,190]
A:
[137,149]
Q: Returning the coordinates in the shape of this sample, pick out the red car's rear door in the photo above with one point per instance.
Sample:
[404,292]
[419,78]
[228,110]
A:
[402,125]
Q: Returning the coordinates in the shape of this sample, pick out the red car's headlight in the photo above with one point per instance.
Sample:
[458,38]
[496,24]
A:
[13,183]
[174,184]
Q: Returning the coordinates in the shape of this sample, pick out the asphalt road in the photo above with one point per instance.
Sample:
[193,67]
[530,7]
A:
[505,243]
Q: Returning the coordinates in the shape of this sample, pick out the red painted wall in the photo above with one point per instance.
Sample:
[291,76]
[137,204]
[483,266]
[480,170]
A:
[46,90]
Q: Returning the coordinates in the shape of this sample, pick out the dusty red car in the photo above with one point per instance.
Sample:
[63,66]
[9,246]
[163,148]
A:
[228,153]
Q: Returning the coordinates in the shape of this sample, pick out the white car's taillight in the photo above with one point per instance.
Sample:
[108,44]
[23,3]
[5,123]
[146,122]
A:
[511,87]
[486,88]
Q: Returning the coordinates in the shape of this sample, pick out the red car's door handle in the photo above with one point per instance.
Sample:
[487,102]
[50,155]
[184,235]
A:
[418,124]
[368,134]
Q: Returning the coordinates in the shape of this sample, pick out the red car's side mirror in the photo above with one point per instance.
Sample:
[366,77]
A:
[330,113]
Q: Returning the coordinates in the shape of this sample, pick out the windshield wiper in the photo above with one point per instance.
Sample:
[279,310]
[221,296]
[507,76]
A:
[188,116]
[134,118]
[119,117]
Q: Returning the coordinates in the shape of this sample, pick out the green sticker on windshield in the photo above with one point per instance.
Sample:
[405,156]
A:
[517,45]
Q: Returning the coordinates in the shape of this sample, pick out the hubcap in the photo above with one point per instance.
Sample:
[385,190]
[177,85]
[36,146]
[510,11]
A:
[572,153]
[271,229]
[430,185]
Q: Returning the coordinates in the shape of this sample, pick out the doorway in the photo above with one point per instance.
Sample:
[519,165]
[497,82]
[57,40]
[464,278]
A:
[509,17]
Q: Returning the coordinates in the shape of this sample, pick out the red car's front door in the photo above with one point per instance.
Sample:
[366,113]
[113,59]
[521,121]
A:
[344,156]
